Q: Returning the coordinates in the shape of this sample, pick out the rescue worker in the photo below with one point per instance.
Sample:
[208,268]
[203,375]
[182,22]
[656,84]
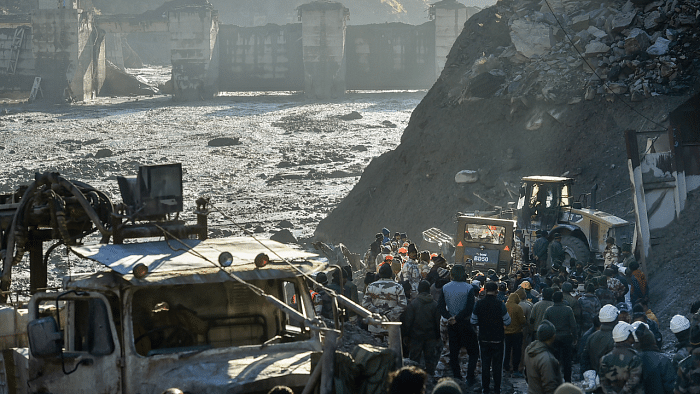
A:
[423,328]
[556,251]
[490,315]
[617,288]
[562,317]
[627,255]
[621,368]
[381,257]
[385,238]
[424,264]
[590,306]
[601,342]
[611,254]
[638,281]
[456,305]
[385,297]
[325,306]
[567,289]
[603,292]
[375,249]
[410,271]
[538,310]
[542,368]
[688,380]
[539,248]
[680,327]
[517,252]
[658,375]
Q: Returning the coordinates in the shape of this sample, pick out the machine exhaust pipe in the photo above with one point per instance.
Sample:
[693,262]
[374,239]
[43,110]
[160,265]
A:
[594,190]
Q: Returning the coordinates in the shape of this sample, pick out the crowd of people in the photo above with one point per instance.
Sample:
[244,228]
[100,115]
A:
[536,322]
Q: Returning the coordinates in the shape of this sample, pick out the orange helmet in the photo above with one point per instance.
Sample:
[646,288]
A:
[403,250]
[389,257]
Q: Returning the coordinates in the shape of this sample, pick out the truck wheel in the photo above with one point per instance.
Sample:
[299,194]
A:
[575,248]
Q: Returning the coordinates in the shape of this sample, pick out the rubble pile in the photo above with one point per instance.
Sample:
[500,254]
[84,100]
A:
[565,51]
[530,87]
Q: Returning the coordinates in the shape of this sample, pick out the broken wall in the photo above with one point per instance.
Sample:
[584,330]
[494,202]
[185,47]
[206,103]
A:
[23,77]
[390,56]
[261,58]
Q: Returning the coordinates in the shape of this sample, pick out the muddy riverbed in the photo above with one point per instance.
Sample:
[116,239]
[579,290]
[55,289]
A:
[263,158]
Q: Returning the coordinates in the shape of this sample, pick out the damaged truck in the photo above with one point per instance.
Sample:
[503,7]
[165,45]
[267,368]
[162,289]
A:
[167,307]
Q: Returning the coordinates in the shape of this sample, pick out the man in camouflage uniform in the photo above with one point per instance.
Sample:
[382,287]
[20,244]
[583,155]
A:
[688,380]
[621,369]
[385,297]
[611,254]
[517,252]
[617,288]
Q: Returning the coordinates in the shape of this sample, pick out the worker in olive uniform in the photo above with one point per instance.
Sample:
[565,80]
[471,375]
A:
[688,380]
[385,297]
[621,369]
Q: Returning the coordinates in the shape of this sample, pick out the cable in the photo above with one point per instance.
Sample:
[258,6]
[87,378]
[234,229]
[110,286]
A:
[607,85]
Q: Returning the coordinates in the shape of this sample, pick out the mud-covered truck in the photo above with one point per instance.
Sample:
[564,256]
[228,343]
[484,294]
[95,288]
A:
[164,306]
[484,243]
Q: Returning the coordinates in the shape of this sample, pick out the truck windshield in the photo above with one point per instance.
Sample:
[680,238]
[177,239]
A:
[483,233]
[172,318]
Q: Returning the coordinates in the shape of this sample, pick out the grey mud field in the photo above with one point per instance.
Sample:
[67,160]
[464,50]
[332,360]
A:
[277,160]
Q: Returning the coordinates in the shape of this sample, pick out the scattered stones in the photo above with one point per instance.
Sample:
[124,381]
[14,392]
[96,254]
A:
[224,141]
[596,47]
[354,115]
[637,41]
[102,153]
[389,124]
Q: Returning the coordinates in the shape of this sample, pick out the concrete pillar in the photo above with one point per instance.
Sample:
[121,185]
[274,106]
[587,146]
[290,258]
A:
[194,52]
[113,49]
[69,53]
[323,41]
[449,17]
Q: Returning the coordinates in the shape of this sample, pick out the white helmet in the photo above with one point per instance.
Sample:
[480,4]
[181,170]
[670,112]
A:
[608,313]
[621,331]
[679,323]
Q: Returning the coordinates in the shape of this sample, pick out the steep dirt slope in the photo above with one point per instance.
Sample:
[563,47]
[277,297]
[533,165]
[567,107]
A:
[511,121]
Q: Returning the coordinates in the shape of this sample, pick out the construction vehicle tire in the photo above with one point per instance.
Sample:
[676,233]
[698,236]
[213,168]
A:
[575,248]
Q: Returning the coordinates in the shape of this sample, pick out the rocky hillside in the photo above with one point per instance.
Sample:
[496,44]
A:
[529,88]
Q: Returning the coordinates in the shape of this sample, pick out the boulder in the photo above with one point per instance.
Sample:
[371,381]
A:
[580,22]
[485,85]
[102,153]
[351,116]
[224,141]
[120,83]
[284,236]
[596,32]
[621,21]
[596,47]
[652,20]
[659,48]
[466,176]
[637,41]
[617,88]
[531,38]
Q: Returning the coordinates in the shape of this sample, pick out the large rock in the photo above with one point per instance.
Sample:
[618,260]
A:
[621,21]
[580,22]
[486,84]
[120,83]
[637,41]
[531,38]
[284,236]
[659,48]
[652,20]
[467,176]
[596,47]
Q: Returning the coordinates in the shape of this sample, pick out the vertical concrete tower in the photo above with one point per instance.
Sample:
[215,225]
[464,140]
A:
[194,52]
[68,50]
[323,40]
[449,17]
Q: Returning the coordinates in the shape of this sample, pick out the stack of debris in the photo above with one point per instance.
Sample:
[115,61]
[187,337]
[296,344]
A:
[565,51]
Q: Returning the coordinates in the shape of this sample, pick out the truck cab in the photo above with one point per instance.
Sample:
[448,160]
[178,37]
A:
[185,323]
[484,243]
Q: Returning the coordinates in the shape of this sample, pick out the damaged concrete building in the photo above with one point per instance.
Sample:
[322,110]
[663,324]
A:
[71,49]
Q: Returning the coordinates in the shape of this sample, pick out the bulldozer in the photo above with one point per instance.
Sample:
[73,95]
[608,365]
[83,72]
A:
[547,203]
[484,240]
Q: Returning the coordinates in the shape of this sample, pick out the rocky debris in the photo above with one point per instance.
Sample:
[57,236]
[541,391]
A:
[467,176]
[285,224]
[224,141]
[354,115]
[284,236]
[650,48]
